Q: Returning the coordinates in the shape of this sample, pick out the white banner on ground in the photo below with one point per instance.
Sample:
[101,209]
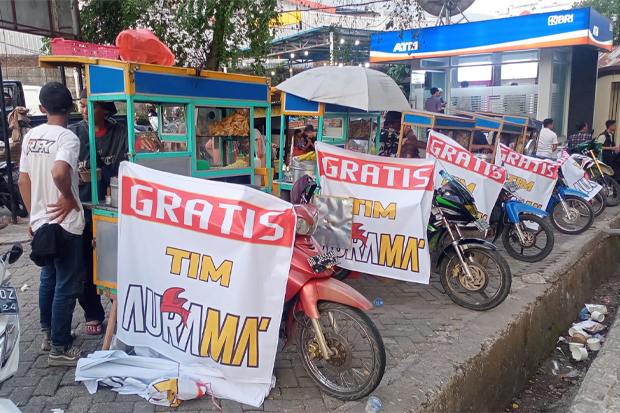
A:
[391,209]
[575,177]
[534,177]
[203,267]
[482,179]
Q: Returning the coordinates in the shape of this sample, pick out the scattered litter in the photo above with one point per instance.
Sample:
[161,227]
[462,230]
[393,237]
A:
[25,287]
[378,302]
[571,374]
[562,340]
[561,351]
[606,300]
[515,406]
[555,368]
[590,326]
[373,405]
[58,411]
[596,307]
[584,314]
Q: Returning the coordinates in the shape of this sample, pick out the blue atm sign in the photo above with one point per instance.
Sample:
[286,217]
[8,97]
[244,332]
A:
[564,28]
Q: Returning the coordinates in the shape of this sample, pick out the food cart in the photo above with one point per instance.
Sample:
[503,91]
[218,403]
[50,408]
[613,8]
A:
[350,128]
[458,128]
[530,133]
[502,131]
[204,128]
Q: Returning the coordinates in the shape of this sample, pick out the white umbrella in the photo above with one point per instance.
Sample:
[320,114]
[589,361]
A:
[350,86]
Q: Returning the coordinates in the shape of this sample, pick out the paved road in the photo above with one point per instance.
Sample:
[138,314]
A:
[420,325]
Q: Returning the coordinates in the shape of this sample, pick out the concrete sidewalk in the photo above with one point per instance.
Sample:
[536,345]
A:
[441,357]
[600,390]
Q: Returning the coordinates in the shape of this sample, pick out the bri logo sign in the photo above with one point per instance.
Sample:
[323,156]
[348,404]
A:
[555,20]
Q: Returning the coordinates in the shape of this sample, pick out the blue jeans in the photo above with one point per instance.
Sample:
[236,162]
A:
[61,283]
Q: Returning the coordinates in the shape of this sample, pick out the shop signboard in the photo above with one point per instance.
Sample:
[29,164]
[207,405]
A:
[576,178]
[203,267]
[535,178]
[392,200]
[484,180]
[583,26]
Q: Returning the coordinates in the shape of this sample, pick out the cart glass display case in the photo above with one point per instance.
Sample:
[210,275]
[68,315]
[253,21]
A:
[201,123]
[342,126]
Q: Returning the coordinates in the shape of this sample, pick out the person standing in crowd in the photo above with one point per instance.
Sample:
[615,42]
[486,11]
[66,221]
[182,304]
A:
[610,149]
[390,134]
[443,104]
[433,104]
[480,143]
[309,135]
[49,186]
[581,136]
[112,146]
[464,102]
[547,140]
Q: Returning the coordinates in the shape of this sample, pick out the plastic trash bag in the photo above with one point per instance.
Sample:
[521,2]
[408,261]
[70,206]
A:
[143,46]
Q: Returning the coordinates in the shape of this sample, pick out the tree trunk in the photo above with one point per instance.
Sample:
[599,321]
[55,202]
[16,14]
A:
[219,31]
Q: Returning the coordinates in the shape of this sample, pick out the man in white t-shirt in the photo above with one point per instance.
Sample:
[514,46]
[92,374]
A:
[547,140]
[49,186]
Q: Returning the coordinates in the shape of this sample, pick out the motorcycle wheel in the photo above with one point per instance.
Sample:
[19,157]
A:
[491,284]
[611,188]
[538,242]
[341,274]
[358,360]
[578,219]
[599,203]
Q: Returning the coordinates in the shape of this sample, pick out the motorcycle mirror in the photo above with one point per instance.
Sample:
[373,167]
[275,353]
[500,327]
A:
[15,253]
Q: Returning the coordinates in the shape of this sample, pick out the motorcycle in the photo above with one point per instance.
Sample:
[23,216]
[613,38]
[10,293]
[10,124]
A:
[525,234]
[5,194]
[569,211]
[339,346]
[587,153]
[9,320]
[472,271]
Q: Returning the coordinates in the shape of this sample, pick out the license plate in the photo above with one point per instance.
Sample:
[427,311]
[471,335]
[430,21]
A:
[481,225]
[8,301]
[322,262]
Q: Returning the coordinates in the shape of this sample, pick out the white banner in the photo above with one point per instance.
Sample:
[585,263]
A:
[202,267]
[534,177]
[575,177]
[391,209]
[482,179]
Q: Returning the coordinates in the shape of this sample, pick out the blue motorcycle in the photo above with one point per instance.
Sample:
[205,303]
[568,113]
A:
[525,234]
[569,211]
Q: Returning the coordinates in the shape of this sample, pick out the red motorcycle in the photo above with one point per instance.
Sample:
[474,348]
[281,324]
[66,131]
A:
[338,344]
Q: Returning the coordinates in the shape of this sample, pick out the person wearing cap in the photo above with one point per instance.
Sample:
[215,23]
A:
[48,182]
[443,104]
[112,144]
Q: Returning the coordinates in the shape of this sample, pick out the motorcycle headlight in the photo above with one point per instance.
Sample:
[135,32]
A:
[472,210]
[9,338]
[304,228]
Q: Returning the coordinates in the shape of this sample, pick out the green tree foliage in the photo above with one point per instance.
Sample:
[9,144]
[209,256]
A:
[609,8]
[201,33]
